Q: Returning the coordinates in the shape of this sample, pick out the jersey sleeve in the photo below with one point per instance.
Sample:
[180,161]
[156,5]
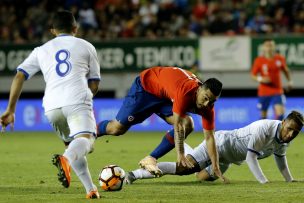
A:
[208,119]
[180,104]
[280,150]
[30,66]
[255,67]
[94,73]
[257,140]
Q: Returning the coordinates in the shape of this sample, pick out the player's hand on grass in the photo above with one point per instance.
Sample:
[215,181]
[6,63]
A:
[218,173]
[7,118]
[184,161]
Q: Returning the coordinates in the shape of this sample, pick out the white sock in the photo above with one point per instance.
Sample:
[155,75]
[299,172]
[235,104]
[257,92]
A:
[75,153]
[167,167]
[78,148]
[80,167]
[142,174]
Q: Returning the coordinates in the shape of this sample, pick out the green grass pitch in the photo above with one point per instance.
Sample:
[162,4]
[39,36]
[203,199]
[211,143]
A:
[27,175]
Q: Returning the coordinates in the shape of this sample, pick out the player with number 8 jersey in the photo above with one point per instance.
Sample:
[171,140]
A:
[67,64]
[72,73]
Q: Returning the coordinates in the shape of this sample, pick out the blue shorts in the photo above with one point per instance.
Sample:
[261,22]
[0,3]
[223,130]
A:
[265,101]
[138,105]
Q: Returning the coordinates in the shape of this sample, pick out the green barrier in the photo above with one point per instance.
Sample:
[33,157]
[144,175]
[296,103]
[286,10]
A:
[128,55]
[291,47]
[11,56]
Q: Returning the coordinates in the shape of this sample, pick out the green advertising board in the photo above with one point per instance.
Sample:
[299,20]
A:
[11,56]
[137,55]
[292,47]
[131,55]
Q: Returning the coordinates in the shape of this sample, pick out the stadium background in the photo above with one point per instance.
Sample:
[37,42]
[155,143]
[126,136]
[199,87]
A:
[212,38]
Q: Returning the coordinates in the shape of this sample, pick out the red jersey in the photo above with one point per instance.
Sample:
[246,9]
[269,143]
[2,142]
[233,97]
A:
[271,68]
[178,86]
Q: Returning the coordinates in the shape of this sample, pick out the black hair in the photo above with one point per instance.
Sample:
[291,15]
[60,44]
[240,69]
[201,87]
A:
[214,85]
[63,21]
[297,117]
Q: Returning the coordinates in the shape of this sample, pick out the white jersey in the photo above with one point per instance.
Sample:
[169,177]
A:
[260,137]
[67,64]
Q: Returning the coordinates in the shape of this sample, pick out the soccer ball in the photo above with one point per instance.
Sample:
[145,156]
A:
[111,178]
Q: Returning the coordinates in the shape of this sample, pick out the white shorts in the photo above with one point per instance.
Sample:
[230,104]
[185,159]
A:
[70,121]
[199,153]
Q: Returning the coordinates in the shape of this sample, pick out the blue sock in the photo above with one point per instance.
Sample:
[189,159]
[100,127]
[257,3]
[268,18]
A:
[102,128]
[166,145]
[280,117]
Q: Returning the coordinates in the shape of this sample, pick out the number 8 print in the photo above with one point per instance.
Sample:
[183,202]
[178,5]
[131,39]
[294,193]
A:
[62,57]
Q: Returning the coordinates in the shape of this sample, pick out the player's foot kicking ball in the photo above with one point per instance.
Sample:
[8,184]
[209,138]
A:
[150,164]
[64,169]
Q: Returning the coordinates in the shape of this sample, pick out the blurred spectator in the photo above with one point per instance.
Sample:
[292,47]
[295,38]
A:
[27,21]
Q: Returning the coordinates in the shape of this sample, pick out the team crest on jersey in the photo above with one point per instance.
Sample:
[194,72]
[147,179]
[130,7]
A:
[278,63]
[130,118]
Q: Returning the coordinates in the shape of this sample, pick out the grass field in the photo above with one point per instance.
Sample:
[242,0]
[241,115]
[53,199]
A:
[27,175]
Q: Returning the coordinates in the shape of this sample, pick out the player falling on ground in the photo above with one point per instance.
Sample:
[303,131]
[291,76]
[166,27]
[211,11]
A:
[72,74]
[266,70]
[256,141]
[171,93]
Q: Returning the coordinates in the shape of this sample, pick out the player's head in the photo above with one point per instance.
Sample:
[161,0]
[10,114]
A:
[291,126]
[208,93]
[63,22]
[268,47]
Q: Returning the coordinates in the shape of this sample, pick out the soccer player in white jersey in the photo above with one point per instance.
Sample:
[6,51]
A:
[72,75]
[256,141]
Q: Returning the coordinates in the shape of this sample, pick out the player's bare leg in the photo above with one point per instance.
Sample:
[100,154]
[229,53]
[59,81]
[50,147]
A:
[279,110]
[203,175]
[263,114]
[112,127]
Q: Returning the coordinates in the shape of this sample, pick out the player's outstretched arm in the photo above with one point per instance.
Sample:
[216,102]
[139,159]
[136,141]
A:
[282,165]
[288,77]
[255,168]
[8,117]
[179,137]
[212,152]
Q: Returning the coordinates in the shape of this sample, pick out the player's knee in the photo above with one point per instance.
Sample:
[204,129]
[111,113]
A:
[115,128]
[118,131]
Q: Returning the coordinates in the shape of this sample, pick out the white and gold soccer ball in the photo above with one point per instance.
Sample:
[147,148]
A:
[111,178]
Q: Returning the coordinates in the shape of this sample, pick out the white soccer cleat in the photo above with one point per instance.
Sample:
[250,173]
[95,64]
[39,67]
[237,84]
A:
[150,164]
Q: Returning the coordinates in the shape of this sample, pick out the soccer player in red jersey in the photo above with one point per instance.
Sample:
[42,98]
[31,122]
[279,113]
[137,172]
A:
[266,71]
[171,93]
